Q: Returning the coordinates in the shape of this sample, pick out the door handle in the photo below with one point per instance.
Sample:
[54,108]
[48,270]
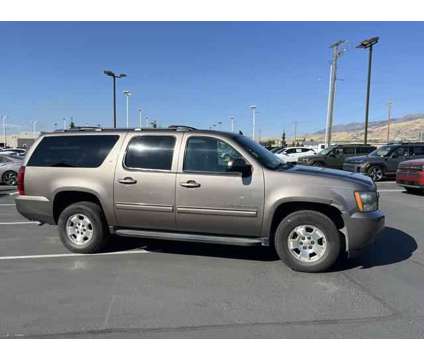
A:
[190,184]
[127,181]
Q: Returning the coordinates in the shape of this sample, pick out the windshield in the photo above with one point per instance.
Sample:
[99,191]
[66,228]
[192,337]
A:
[326,151]
[381,152]
[265,157]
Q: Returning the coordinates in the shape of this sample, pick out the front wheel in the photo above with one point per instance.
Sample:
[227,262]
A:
[9,178]
[307,241]
[375,173]
[82,228]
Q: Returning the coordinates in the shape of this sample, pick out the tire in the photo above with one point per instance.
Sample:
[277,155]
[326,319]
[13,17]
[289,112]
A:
[376,173]
[87,237]
[318,163]
[414,191]
[9,178]
[328,246]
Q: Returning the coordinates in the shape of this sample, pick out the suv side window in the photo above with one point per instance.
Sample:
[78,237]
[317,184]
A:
[85,151]
[401,151]
[207,154]
[150,152]
[418,150]
[349,151]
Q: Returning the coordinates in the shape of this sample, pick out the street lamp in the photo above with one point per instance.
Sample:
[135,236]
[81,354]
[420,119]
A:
[368,44]
[232,123]
[114,77]
[253,108]
[127,94]
[33,127]
[139,118]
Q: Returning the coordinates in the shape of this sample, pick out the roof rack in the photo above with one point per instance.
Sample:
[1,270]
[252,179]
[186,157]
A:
[181,128]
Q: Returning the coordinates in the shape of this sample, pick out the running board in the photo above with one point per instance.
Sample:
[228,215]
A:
[199,238]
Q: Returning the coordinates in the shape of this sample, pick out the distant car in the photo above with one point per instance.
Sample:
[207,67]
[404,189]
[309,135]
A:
[9,166]
[410,175]
[292,154]
[384,161]
[276,149]
[13,151]
[334,156]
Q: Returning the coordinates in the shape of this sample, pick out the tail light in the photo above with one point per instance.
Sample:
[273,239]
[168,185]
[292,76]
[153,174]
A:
[21,178]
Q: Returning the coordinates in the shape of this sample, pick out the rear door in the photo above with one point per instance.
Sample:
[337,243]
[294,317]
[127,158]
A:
[418,151]
[144,186]
[398,155]
[210,199]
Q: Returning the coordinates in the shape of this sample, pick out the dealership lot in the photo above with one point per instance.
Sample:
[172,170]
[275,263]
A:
[170,289]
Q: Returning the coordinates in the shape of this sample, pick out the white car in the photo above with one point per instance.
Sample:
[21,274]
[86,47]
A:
[292,154]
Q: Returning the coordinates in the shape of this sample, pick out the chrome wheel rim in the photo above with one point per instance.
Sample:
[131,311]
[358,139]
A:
[376,174]
[307,243]
[79,229]
[9,178]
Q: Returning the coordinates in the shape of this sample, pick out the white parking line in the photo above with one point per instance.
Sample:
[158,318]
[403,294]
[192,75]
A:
[390,190]
[19,222]
[7,205]
[22,257]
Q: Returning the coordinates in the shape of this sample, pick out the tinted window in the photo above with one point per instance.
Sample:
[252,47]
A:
[150,152]
[349,151]
[418,150]
[306,149]
[208,155]
[88,151]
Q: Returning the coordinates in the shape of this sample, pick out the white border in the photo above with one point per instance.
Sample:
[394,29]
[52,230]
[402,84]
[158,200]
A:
[166,10]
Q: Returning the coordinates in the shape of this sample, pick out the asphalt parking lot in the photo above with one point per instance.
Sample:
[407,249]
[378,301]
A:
[165,289]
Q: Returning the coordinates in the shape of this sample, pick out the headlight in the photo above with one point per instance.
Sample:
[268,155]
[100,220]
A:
[366,201]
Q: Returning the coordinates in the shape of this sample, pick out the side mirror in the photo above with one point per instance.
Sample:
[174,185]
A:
[240,166]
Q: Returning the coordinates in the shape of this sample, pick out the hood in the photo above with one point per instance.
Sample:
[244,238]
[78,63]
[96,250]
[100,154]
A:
[340,175]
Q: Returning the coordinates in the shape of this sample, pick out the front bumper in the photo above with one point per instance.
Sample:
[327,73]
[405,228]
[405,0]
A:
[355,168]
[35,208]
[361,229]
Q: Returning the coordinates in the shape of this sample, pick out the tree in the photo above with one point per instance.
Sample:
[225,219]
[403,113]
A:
[72,125]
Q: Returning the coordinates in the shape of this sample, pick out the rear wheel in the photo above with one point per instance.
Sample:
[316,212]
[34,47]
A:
[414,190]
[9,178]
[82,228]
[376,173]
[307,241]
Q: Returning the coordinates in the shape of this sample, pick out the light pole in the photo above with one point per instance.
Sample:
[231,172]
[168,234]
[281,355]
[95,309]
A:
[232,123]
[64,123]
[127,94]
[139,118]
[253,108]
[368,44]
[332,90]
[4,117]
[114,77]
[389,119]
[34,123]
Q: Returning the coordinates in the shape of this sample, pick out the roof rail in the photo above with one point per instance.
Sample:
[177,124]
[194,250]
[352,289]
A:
[181,128]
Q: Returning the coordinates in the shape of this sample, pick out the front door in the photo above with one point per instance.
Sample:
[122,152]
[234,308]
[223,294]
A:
[398,155]
[144,185]
[212,200]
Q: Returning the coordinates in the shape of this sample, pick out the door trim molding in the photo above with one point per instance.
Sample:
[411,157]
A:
[217,211]
[144,207]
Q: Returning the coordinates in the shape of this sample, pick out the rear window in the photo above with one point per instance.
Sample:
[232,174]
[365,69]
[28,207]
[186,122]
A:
[86,151]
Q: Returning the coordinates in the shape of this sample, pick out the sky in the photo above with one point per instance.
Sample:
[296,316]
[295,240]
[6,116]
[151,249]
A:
[201,73]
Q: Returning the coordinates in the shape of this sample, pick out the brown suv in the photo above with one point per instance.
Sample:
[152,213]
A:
[193,185]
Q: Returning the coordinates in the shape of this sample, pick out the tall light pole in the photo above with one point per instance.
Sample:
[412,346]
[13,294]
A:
[232,123]
[368,44]
[332,90]
[4,118]
[34,123]
[127,95]
[114,77]
[64,123]
[140,125]
[253,108]
[389,119]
